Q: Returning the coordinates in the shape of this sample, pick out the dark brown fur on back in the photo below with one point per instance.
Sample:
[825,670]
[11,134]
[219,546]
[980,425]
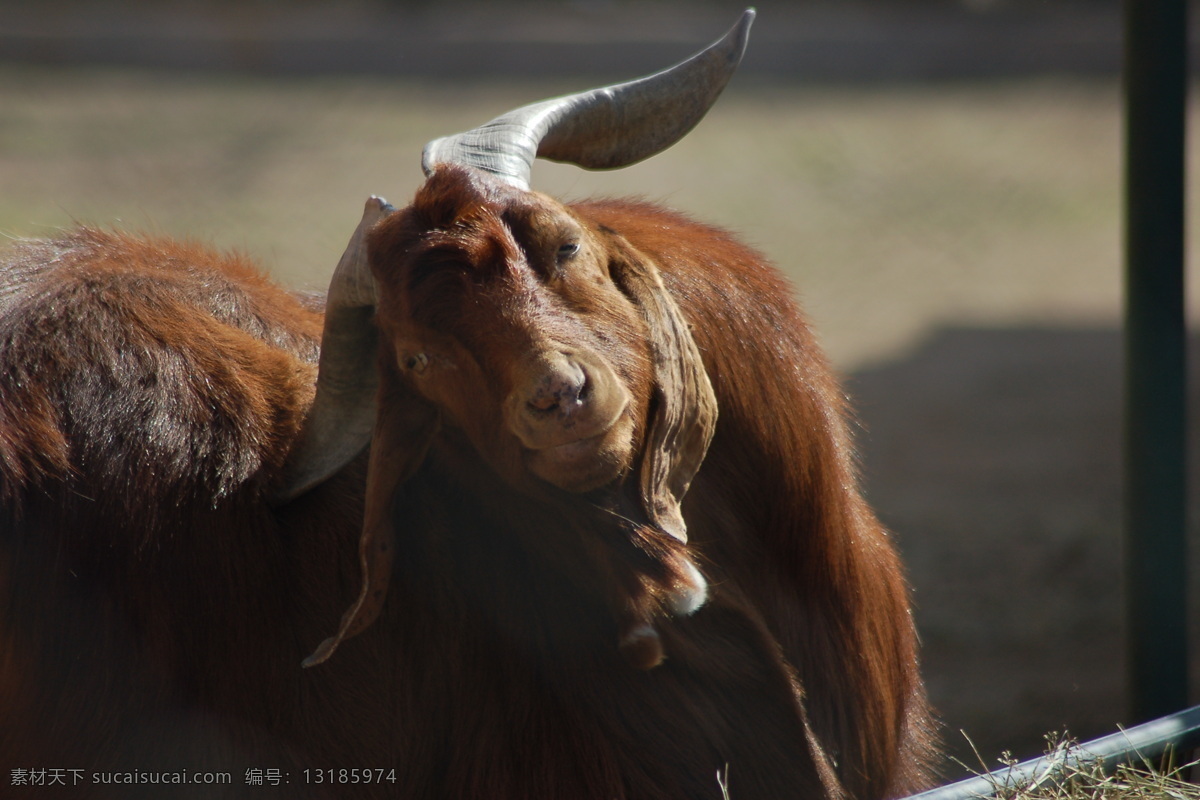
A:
[149,391]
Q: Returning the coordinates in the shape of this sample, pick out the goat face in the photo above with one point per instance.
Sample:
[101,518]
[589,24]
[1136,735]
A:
[516,336]
[499,310]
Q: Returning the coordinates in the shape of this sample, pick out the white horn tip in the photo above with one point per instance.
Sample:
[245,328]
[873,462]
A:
[377,207]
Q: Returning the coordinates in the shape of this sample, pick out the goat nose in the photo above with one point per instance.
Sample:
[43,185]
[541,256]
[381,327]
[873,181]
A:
[562,389]
[562,398]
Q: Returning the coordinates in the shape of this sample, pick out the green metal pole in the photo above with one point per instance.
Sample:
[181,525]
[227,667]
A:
[1155,342]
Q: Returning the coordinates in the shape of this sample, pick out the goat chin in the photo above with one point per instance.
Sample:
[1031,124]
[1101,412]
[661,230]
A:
[588,463]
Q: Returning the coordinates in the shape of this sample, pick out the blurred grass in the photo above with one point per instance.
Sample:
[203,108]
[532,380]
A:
[894,208]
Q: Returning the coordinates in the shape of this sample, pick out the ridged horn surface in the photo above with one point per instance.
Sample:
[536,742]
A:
[604,128]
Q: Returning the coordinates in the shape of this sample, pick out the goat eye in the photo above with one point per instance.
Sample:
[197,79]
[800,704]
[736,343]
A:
[417,363]
[567,250]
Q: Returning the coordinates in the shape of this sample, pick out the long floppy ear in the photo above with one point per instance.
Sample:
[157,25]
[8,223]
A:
[683,404]
[404,427]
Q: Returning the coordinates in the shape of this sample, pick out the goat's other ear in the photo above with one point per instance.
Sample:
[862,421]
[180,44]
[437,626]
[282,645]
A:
[683,406]
[404,427]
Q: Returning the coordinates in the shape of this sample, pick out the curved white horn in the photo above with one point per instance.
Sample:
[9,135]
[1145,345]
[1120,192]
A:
[603,128]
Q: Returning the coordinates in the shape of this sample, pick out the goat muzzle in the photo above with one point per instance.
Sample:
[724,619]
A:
[567,411]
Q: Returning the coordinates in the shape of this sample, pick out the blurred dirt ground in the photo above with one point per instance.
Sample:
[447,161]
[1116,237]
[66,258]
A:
[813,40]
[956,243]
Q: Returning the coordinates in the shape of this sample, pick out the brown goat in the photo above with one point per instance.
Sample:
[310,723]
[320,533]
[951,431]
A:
[542,607]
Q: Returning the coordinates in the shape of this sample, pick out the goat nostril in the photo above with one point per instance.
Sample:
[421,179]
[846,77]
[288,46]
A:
[543,402]
[562,393]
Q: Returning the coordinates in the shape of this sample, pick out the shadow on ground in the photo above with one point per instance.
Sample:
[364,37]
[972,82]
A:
[994,454]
